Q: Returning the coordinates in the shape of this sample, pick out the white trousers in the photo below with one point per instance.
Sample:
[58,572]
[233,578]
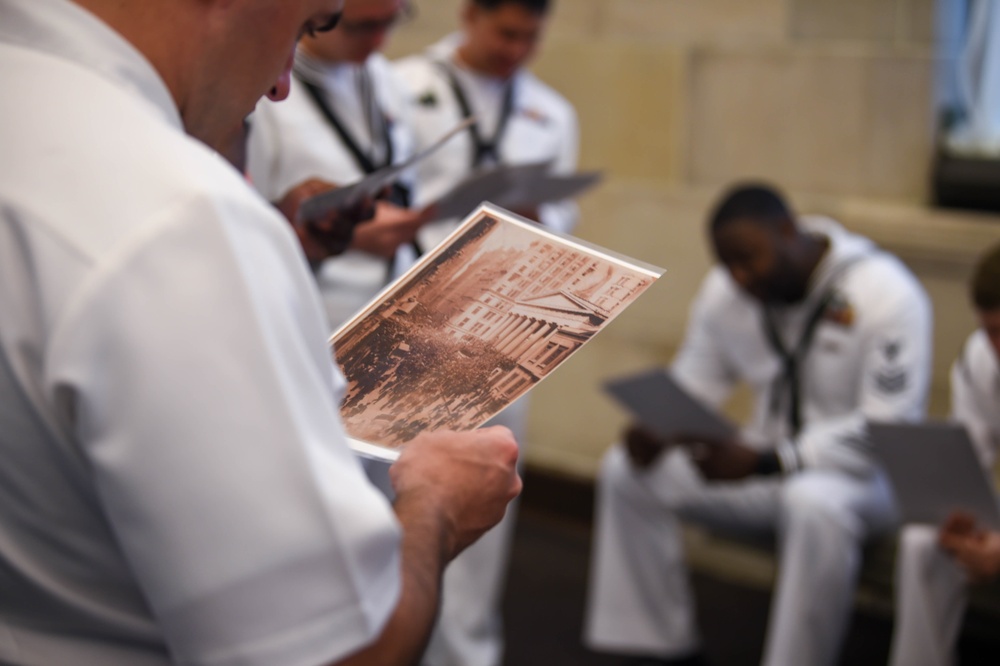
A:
[931,595]
[469,631]
[640,601]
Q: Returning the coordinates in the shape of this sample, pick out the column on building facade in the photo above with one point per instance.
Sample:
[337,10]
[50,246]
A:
[539,333]
[503,328]
[541,343]
[516,336]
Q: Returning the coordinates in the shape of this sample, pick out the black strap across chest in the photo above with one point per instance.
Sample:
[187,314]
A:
[400,194]
[361,158]
[483,149]
[790,380]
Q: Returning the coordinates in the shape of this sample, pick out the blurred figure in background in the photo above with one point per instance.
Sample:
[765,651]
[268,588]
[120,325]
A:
[935,564]
[480,71]
[828,331]
[345,117]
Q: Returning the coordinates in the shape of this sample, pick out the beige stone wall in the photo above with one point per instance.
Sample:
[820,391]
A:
[831,99]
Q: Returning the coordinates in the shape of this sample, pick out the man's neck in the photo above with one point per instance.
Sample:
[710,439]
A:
[815,248]
[465,58]
[155,33]
[320,56]
[177,41]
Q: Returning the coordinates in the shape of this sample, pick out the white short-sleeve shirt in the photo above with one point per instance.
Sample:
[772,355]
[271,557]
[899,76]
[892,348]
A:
[291,141]
[175,485]
[870,356]
[975,395]
[542,127]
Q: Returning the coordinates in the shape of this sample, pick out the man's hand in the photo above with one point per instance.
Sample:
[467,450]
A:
[331,235]
[976,550]
[723,460]
[391,227]
[530,213]
[450,488]
[468,478]
[643,446]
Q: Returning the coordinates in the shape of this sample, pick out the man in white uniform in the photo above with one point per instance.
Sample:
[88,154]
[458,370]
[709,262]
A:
[175,485]
[480,71]
[345,116]
[935,564]
[827,330]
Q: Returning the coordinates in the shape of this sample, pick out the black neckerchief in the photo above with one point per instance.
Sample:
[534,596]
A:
[399,194]
[482,149]
[361,158]
[790,379]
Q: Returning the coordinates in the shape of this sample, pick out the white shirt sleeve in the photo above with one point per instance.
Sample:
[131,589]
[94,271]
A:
[700,366]
[204,400]
[895,358]
[264,151]
[968,404]
[562,216]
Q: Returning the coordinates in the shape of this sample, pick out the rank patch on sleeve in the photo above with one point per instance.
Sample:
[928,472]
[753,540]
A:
[891,380]
[891,377]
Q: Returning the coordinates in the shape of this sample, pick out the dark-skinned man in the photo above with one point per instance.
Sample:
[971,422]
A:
[827,330]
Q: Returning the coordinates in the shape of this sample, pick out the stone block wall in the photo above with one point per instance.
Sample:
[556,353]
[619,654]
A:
[830,99]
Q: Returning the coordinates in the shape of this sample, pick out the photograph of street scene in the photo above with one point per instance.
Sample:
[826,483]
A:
[474,326]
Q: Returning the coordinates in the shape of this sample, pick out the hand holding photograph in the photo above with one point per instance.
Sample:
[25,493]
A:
[474,325]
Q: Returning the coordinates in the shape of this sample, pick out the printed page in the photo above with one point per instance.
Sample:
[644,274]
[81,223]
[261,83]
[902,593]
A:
[476,324]
[659,403]
[316,207]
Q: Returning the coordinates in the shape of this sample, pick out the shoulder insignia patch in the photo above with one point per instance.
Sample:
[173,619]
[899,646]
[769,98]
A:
[839,311]
[428,99]
[891,377]
[535,115]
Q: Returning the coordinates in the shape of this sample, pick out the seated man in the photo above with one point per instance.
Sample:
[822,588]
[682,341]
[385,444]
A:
[827,330]
[934,564]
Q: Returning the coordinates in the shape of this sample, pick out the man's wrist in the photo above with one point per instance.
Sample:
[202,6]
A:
[768,464]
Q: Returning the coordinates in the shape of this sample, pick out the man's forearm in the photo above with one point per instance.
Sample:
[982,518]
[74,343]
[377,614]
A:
[425,552]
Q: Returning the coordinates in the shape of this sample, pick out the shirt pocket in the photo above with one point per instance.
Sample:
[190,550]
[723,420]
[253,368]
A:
[832,369]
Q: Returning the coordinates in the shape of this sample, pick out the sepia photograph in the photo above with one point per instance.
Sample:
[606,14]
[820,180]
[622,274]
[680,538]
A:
[475,325]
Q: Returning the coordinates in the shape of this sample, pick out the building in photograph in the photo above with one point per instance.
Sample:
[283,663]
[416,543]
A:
[542,308]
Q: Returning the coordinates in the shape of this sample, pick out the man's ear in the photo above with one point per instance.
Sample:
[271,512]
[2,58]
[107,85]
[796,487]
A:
[787,227]
[470,11]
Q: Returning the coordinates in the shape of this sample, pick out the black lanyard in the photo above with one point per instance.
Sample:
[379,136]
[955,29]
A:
[790,379]
[400,194]
[482,149]
[362,159]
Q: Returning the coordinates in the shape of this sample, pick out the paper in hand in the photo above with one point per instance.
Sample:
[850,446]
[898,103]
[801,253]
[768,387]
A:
[341,198]
[455,340]
[531,192]
[934,471]
[493,185]
[660,404]
[513,187]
